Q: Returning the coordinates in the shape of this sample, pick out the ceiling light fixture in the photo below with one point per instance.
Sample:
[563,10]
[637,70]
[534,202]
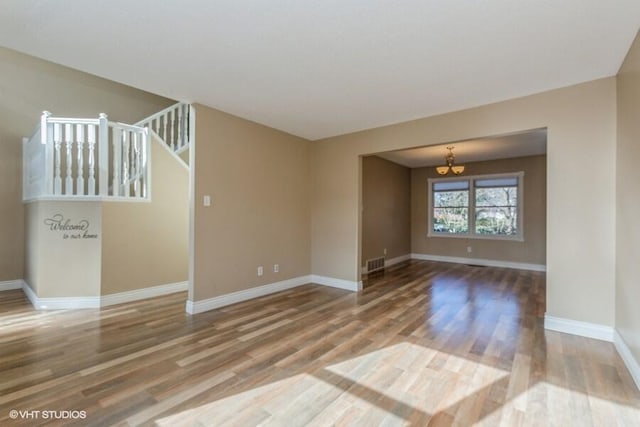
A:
[450,166]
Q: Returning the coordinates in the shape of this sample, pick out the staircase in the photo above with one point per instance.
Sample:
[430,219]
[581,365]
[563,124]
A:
[171,125]
[85,253]
[85,159]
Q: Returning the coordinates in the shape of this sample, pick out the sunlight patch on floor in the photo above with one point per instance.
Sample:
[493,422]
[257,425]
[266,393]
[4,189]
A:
[548,404]
[406,372]
[384,386]
[278,401]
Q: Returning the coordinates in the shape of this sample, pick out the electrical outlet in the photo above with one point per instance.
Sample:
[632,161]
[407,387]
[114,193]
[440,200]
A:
[206,201]
[260,271]
[276,268]
[469,250]
[384,252]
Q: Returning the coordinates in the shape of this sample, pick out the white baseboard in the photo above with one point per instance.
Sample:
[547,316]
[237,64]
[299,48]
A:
[11,285]
[59,303]
[389,262]
[194,307]
[627,357]
[337,283]
[31,296]
[397,260]
[138,294]
[479,261]
[575,327]
[71,303]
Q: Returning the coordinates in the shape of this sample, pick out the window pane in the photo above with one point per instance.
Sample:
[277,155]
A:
[497,182]
[499,196]
[497,221]
[450,185]
[443,199]
[451,220]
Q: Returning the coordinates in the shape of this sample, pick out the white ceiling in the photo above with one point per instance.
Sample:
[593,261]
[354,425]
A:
[501,147]
[322,68]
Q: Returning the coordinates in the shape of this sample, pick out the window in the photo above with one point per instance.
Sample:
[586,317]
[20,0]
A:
[488,206]
[496,206]
[451,207]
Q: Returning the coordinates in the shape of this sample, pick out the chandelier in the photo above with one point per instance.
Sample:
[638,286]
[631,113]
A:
[450,166]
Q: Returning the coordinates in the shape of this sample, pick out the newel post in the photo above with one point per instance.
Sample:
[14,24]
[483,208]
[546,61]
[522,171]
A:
[46,139]
[44,127]
[103,155]
[146,164]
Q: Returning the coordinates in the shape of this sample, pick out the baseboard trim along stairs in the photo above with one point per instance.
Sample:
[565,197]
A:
[70,303]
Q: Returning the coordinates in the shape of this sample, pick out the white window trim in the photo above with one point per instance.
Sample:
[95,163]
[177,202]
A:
[471,234]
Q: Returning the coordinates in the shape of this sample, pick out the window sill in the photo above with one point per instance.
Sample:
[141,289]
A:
[517,238]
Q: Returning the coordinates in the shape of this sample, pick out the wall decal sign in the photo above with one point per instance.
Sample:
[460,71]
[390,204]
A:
[69,229]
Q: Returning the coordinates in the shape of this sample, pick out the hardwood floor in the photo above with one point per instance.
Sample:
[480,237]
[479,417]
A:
[425,343]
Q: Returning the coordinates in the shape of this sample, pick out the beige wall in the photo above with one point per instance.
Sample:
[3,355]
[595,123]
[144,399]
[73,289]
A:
[386,214]
[184,155]
[258,180]
[63,262]
[27,87]
[628,202]
[581,122]
[146,244]
[531,251]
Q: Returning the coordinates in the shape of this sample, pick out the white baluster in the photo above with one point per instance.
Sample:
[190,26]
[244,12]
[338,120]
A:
[80,170]
[91,138]
[143,168]
[103,155]
[187,124]
[180,127]
[125,162]
[164,127]
[172,141]
[136,164]
[116,140]
[57,141]
[68,137]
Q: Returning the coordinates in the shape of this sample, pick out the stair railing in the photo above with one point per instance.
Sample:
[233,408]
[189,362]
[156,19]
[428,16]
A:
[172,125]
[79,158]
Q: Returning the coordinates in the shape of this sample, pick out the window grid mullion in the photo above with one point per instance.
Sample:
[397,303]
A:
[472,207]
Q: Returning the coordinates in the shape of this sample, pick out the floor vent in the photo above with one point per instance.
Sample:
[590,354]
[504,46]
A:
[375,264]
